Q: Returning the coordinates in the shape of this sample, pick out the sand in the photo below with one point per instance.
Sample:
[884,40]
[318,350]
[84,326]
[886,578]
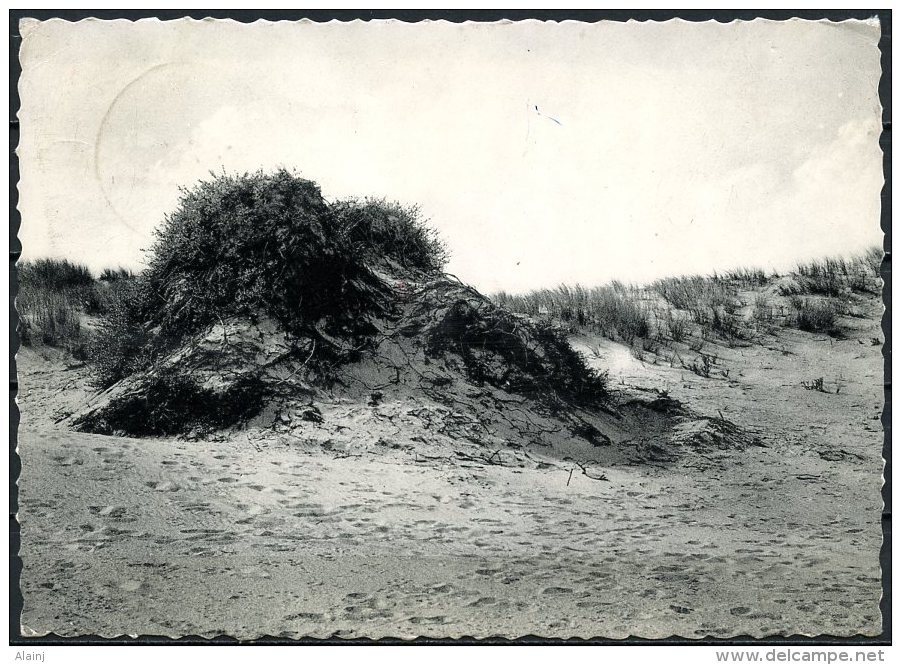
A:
[286,537]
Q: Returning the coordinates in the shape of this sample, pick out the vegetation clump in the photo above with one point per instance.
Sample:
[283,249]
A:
[170,402]
[818,316]
[497,348]
[268,244]
[611,310]
[53,294]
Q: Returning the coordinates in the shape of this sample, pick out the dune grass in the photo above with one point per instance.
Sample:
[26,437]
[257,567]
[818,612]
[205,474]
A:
[54,297]
[716,307]
[818,316]
[612,311]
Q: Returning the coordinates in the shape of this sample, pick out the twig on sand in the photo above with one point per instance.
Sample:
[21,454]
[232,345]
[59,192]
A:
[252,443]
[480,458]
[570,476]
[419,457]
[302,365]
[585,471]
[345,455]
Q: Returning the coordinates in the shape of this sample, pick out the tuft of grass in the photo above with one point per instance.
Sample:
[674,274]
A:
[823,277]
[872,259]
[612,311]
[54,295]
[702,365]
[835,277]
[747,276]
[695,293]
[54,274]
[676,325]
[51,318]
[816,384]
[815,315]
[116,274]
[762,310]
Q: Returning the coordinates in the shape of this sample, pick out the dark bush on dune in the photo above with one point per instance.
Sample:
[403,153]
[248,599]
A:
[169,403]
[261,244]
[244,248]
[499,349]
[380,229]
[122,343]
[242,244]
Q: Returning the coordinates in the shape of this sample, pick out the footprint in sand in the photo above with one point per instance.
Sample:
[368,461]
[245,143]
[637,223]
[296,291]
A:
[305,616]
[488,572]
[68,461]
[107,511]
[131,585]
[429,620]
[164,486]
[483,602]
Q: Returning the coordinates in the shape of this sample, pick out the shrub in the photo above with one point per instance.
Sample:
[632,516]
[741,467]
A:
[239,244]
[121,345]
[169,403]
[259,243]
[381,229]
[497,349]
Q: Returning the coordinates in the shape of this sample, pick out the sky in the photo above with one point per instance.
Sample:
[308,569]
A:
[542,152]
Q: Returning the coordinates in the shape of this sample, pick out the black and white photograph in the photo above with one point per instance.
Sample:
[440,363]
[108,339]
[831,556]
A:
[470,330]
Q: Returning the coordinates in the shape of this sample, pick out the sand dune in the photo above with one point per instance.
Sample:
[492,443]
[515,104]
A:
[281,535]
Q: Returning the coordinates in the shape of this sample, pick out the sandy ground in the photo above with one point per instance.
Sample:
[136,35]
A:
[170,537]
